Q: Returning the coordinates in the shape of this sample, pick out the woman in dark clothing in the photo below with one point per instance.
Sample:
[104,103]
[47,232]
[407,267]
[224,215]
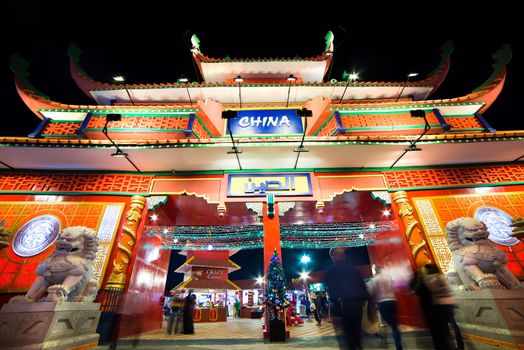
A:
[189,310]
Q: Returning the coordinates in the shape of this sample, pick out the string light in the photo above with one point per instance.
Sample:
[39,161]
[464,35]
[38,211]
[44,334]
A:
[226,237]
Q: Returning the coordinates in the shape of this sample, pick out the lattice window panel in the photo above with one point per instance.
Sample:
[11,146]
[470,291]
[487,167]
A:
[391,120]
[454,176]
[329,128]
[464,123]
[76,183]
[141,122]
[199,130]
[60,128]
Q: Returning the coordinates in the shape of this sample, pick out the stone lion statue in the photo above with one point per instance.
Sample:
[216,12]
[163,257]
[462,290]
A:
[67,274]
[477,261]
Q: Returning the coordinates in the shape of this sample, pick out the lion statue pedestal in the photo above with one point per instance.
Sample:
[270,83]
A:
[490,299]
[58,310]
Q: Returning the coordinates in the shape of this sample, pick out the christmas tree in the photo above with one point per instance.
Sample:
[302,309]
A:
[275,290]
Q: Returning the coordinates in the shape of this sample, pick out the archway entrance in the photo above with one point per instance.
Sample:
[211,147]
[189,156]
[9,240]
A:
[190,224]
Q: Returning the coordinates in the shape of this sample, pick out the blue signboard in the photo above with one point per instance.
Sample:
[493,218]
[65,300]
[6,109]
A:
[266,122]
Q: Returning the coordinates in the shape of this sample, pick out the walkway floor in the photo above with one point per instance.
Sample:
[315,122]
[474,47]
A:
[238,334]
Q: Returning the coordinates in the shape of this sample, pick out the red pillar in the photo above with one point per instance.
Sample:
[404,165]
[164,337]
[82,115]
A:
[271,237]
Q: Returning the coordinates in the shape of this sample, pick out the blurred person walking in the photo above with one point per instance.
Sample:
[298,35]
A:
[383,293]
[441,310]
[347,293]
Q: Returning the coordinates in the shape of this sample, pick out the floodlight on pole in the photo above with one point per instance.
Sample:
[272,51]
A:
[291,79]
[239,80]
[350,78]
[185,81]
[409,76]
[119,153]
[119,78]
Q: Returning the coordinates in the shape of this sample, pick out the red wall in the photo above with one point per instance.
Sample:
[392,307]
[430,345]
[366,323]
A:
[389,251]
[142,305]
[20,271]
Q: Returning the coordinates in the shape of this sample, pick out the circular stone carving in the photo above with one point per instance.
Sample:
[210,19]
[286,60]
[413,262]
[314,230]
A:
[498,222]
[36,235]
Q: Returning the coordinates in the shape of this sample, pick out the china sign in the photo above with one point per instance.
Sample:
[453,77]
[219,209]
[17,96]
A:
[266,122]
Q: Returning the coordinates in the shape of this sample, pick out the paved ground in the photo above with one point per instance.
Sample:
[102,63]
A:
[246,334]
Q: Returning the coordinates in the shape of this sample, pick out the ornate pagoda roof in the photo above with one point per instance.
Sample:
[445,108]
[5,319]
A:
[201,262]
[193,284]
[271,87]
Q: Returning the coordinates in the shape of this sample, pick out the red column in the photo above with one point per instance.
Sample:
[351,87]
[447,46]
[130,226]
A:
[271,236]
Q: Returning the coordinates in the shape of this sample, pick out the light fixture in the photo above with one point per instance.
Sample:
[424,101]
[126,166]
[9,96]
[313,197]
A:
[302,113]
[119,78]
[260,280]
[410,75]
[119,154]
[386,212]
[372,226]
[239,80]
[304,275]
[350,77]
[228,115]
[361,236]
[209,247]
[154,217]
[175,240]
[185,81]
[416,113]
[291,79]
[113,117]
[305,259]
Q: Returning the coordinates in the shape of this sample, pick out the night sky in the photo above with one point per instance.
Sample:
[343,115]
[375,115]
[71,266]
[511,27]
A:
[151,45]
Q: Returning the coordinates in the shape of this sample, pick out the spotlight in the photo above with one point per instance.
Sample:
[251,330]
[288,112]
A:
[239,79]
[229,114]
[417,113]
[113,117]
[119,154]
[291,78]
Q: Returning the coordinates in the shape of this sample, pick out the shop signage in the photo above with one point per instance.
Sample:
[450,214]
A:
[266,122]
[259,185]
[210,274]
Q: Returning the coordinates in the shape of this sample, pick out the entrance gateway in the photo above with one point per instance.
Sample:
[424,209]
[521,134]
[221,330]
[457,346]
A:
[139,161]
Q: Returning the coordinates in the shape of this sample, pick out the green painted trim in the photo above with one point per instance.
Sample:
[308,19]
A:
[451,131]
[60,135]
[275,136]
[324,124]
[404,107]
[151,115]
[458,116]
[126,194]
[275,170]
[135,130]
[203,126]
[421,167]
[498,184]
[264,144]
[393,128]
[123,111]
[54,121]
[235,85]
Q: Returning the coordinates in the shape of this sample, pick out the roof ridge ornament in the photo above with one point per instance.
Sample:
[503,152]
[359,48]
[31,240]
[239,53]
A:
[195,43]
[501,57]
[20,67]
[330,37]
